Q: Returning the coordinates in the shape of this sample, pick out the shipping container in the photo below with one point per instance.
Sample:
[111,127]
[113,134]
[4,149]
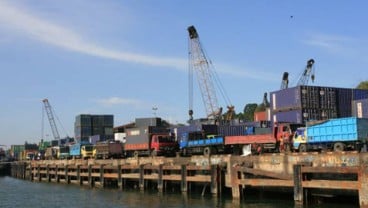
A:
[233,130]
[360,108]
[94,139]
[54,143]
[120,137]
[307,103]
[260,116]
[144,122]
[28,146]
[300,97]
[147,130]
[83,120]
[303,116]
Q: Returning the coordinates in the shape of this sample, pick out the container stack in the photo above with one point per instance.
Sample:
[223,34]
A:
[301,104]
[86,126]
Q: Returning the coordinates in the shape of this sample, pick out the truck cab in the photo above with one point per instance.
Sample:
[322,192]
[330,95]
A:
[300,140]
[283,133]
[163,144]
[87,151]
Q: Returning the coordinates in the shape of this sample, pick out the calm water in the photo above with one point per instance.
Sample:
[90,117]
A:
[21,193]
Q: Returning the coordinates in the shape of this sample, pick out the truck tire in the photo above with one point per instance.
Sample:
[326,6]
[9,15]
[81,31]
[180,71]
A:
[339,147]
[207,151]
[302,148]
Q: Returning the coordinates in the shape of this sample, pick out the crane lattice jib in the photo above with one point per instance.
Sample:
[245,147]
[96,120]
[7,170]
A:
[51,119]
[199,63]
[308,72]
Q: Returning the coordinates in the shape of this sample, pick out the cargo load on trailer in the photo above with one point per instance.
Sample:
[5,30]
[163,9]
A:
[108,149]
[339,134]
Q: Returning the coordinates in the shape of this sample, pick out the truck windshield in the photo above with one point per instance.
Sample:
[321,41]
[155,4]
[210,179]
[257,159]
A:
[88,148]
[165,139]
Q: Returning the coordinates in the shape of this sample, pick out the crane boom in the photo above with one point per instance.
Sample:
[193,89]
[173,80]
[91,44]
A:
[198,62]
[307,72]
[285,81]
[50,116]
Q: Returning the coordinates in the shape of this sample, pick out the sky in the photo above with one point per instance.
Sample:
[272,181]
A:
[128,58]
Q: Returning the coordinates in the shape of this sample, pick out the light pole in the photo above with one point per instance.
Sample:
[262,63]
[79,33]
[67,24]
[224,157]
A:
[154,111]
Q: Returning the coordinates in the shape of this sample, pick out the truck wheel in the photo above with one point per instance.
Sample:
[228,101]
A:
[207,151]
[302,148]
[339,147]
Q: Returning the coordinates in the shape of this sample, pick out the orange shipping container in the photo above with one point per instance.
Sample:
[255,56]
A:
[260,116]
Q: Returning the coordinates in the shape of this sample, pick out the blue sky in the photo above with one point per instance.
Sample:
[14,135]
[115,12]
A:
[126,57]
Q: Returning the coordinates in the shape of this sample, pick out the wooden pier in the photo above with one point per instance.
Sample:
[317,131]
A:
[301,173]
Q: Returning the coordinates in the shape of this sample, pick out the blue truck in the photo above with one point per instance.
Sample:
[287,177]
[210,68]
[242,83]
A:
[81,150]
[350,133]
[197,143]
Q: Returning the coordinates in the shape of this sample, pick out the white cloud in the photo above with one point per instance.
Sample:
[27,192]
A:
[44,31]
[332,43]
[24,23]
[118,101]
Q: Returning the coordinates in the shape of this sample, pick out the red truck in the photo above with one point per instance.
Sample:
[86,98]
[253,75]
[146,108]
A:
[149,141]
[279,140]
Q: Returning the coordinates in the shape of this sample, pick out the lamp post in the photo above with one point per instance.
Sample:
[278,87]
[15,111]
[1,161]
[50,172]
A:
[154,111]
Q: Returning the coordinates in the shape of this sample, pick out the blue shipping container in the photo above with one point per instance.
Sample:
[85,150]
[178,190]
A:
[338,130]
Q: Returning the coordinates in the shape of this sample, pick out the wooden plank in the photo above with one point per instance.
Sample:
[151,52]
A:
[266,182]
[195,167]
[171,167]
[270,174]
[306,169]
[171,177]
[199,178]
[130,175]
[111,175]
[328,184]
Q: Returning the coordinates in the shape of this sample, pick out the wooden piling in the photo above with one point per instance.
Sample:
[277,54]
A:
[90,179]
[363,189]
[102,180]
[141,177]
[160,180]
[214,179]
[184,184]
[120,180]
[298,187]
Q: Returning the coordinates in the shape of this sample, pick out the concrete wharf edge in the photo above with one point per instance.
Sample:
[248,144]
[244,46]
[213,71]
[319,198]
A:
[294,170]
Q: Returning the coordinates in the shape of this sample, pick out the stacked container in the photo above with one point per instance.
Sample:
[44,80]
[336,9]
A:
[91,125]
[307,103]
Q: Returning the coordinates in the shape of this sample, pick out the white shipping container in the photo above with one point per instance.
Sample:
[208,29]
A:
[120,137]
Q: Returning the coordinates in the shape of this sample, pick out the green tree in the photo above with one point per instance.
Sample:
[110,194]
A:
[248,112]
[363,85]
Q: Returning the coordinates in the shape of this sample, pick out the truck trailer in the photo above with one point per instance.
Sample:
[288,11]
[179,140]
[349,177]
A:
[350,133]
[104,150]
[279,139]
